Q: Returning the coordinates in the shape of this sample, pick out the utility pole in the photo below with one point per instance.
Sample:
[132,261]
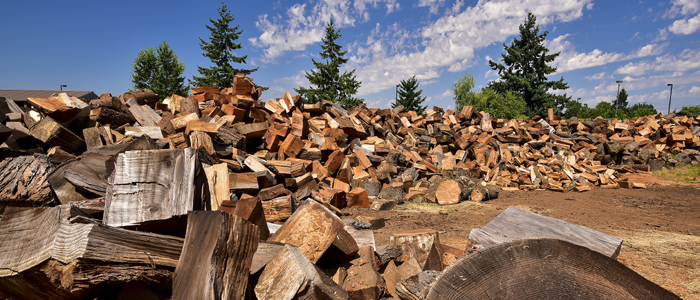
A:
[669,98]
[617,100]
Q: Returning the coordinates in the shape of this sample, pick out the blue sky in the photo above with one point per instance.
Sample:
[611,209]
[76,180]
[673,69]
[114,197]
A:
[90,45]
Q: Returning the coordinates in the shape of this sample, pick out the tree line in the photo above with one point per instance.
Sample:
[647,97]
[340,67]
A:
[522,91]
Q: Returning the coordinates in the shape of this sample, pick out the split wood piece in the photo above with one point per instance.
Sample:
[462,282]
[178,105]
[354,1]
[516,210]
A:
[380,204]
[24,181]
[374,222]
[61,108]
[255,165]
[362,280]
[217,177]
[278,209]
[145,115]
[54,134]
[528,266]
[254,130]
[199,139]
[200,126]
[393,275]
[290,275]
[291,146]
[448,192]
[335,160]
[57,156]
[108,101]
[357,197]
[106,115]
[306,181]
[362,237]
[88,174]
[421,244]
[482,193]
[312,228]
[273,192]
[517,224]
[141,97]
[151,185]
[5,132]
[180,123]
[229,136]
[153,132]
[216,256]
[251,209]
[448,255]
[417,286]
[92,136]
[243,182]
[63,240]
[265,253]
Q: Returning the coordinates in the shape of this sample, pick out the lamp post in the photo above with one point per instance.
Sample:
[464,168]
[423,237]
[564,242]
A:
[669,98]
[617,100]
[63,85]
[579,100]
[396,96]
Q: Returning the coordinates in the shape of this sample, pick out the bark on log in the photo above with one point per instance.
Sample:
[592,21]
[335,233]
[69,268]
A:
[24,181]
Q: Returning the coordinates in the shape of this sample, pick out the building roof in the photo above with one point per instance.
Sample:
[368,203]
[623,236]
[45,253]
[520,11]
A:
[22,95]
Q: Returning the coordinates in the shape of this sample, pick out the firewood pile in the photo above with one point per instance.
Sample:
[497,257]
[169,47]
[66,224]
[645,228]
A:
[222,195]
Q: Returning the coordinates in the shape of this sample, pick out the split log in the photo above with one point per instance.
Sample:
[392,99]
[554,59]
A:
[362,280]
[61,108]
[517,224]
[394,275]
[106,115]
[92,136]
[243,182]
[109,101]
[24,181]
[145,115]
[357,197]
[530,266]
[290,275]
[312,228]
[54,134]
[141,96]
[421,244]
[250,209]
[278,209]
[417,286]
[217,178]
[153,185]
[37,244]
[216,257]
[153,132]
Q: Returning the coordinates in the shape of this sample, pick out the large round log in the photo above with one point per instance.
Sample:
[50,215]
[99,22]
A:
[542,269]
[190,105]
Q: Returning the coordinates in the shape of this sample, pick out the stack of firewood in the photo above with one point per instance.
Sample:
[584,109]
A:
[174,198]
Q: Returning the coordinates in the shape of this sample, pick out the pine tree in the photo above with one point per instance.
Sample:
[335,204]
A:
[160,71]
[219,50]
[329,83]
[409,96]
[143,68]
[621,100]
[526,69]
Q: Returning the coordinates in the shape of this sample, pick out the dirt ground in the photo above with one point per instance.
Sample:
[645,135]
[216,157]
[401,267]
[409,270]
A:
[660,225]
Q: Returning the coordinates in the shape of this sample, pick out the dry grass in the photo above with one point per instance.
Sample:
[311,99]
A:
[687,174]
[657,254]
[544,212]
[430,207]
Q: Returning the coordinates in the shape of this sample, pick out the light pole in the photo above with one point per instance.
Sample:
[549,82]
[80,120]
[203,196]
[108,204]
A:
[579,100]
[396,96]
[617,100]
[63,85]
[669,98]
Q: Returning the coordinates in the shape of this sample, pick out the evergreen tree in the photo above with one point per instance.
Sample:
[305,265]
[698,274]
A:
[409,96]
[160,71]
[143,68]
[219,50]
[526,69]
[621,100]
[329,83]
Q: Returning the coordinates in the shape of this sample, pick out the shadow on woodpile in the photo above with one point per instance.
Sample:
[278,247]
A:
[542,269]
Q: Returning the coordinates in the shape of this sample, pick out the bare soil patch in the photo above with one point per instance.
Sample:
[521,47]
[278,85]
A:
[660,224]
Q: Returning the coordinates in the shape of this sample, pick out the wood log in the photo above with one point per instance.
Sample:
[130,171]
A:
[290,275]
[153,132]
[448,192]
[216,257]
[357,197]
[61,108]
[278,209]
[291,146]
[517,224]
[38,244]
[273,192]
[145,115]
[253,130]
[24,181]
[152,185]
[394,275]
[92,137]
[199,139]
[106,115]
[54,134]
[142,97]
[243,182]
[417,286]
[110,102]
[580,272]
[303,229]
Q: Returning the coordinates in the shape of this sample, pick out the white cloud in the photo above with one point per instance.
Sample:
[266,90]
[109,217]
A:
[433,4]
[694,91]
[685,61]
[445,94]
[296,80]
[598,76]
[449,43]
[685,26]
[569,59]
[683,7]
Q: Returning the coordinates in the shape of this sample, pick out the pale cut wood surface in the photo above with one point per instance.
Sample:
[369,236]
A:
[152,185]
[517,224]
[216,259]
[145,115]
[152,131]
[217,178]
